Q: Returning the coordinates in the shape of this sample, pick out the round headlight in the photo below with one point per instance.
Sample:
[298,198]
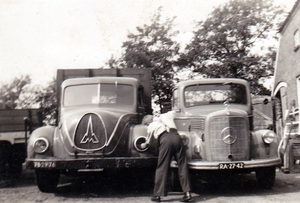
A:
[197,149]
[41,145]
[268,137]
[138,144]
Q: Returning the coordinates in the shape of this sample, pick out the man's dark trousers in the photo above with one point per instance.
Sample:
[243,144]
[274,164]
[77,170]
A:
[170,144]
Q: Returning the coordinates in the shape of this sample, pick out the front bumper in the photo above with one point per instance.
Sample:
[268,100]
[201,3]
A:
[248,164]
[93,164]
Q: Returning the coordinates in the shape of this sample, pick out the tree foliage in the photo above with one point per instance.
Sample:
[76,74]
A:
[47,100]
[41,97]
[22,94]
[153,46]
[10,92]
[231,42]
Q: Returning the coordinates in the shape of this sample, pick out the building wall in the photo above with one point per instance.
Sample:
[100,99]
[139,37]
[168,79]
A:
[288,58]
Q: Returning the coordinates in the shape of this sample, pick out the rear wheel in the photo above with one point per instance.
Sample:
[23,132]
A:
[266,177]
[5,149]
[17,158]
[47,180]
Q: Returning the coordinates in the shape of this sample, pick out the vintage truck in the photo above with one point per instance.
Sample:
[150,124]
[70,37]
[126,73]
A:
[99,126]
[215,118]
[15,127]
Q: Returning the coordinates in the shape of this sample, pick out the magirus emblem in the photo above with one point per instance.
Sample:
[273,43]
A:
[89,135]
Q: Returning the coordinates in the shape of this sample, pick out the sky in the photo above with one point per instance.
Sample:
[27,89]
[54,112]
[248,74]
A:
[37,37]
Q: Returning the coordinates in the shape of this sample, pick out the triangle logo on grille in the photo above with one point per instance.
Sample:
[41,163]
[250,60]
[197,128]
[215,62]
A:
[89,135]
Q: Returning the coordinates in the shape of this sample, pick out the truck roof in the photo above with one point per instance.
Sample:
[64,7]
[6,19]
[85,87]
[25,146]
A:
[212,81]
[93,80]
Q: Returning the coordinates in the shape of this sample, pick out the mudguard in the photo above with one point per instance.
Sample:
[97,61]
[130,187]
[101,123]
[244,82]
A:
[42,132]
[261,150]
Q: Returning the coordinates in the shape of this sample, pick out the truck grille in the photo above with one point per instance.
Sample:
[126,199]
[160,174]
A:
[90,133]
[229,139]
[197,124]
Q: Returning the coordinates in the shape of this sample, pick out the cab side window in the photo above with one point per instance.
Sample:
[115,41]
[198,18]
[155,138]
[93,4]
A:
[141,97]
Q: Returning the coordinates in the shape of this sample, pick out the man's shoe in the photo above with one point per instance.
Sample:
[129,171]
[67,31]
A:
[187,197]
[285,170]
[155,198]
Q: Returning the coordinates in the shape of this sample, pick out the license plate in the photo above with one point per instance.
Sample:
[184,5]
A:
[227,166]
[44,164]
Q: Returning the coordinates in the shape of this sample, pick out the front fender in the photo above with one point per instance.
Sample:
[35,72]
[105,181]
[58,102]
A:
[260,149]
[42,132]
[192,140]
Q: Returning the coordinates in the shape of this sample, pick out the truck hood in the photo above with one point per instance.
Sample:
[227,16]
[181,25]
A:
[92,129]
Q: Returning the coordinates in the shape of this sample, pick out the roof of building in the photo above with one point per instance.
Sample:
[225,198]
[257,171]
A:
[289,15]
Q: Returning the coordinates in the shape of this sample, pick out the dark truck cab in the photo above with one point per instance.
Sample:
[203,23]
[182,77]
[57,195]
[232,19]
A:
[98,127]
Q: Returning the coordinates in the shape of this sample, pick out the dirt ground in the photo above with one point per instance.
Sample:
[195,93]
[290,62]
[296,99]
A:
[111,189]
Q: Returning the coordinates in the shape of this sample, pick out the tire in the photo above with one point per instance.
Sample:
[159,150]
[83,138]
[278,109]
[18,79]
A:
[47,180]
[266,177]
[5,149]
[15,169]
[16,160]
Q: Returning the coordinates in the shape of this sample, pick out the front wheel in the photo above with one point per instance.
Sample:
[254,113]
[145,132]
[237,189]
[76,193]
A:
[266,177]
[47,180]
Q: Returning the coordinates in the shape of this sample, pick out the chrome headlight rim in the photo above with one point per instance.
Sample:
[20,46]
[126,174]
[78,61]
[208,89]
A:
[137,143]
[36,147]
[268,137]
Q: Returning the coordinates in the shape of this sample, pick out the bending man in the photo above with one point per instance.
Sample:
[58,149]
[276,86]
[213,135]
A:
[170,145]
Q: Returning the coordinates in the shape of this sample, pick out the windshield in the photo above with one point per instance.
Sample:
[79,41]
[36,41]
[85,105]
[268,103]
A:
[203,94]
[104,95]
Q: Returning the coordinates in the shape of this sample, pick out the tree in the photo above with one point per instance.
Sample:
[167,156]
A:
[226,43]
[47,101]
[43,98]
[10,92]
[153,47]
[22,94]
[27,98]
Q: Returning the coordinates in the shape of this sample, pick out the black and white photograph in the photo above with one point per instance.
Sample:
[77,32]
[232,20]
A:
[150,101]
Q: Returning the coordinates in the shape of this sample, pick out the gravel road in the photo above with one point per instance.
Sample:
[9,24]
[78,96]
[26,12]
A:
[113,189]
